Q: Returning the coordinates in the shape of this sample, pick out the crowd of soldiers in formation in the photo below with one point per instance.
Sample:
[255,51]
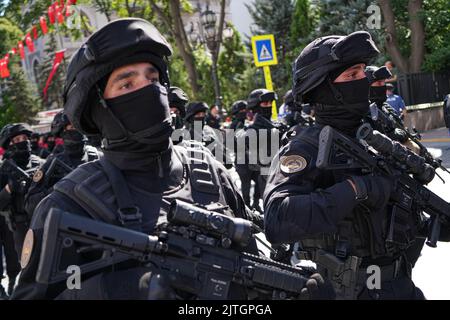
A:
[316,209]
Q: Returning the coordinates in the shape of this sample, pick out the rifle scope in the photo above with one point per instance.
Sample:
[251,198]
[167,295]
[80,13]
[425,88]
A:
[414,163]
[237,229]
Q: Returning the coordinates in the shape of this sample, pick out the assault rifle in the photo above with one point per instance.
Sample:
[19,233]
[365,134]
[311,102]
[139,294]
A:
[387,121]
[197,252]
[20,177]
[377,154]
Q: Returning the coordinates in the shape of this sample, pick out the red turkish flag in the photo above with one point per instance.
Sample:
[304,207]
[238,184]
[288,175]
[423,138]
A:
[14,51]
[35,32]
[51,14]
[43,23]
[21,50]
[29,43]
[68,11]
[59,56]
[72,2]
[60,17]
[61,3]
[4,71]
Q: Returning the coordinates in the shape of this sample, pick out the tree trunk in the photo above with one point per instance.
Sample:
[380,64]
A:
[391,43]
[417,36]
[174,24]
[184,46]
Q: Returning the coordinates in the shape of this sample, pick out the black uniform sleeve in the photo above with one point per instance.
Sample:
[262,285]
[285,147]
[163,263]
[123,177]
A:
[5,196]
[28,288]
[300,200]
[38,189]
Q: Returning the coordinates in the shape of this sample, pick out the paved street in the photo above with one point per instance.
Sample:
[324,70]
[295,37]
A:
[431,273]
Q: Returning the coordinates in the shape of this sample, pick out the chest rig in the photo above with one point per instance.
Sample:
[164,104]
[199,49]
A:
[360,237]
[102,191]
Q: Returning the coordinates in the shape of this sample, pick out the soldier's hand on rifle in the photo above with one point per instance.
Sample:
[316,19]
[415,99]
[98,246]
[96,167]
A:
[318,289]
[15,186]
[411,145]
[373,191]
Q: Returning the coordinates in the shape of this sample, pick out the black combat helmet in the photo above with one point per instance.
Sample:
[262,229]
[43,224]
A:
[238,106]
[260,95]
[11,130]
[195,107]
[327,54]
[178,99]
[119,43]
[60,121]
[374,73]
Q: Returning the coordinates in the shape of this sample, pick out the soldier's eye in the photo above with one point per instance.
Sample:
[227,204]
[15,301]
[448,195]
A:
[126,85]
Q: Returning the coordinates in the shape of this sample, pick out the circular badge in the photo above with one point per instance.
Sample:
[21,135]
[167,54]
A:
[293,163]
[38,176]
[27,248]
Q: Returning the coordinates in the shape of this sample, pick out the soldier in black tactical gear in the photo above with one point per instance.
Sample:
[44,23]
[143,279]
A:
[251,166]
[117,86]
[200,131]
[52,146]
[36,149]
[178,100]
[339,218]
[239,113]
[213,119]
[16,139]
[377,77]
[294,112]
[57,166]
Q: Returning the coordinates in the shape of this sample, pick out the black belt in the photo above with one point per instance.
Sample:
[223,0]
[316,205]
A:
[388,272]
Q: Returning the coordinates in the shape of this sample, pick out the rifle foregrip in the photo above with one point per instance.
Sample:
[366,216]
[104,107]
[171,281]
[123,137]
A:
[325,144]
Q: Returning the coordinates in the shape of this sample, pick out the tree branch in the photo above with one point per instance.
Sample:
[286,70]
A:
[391,36]
[417,35]
[166,20]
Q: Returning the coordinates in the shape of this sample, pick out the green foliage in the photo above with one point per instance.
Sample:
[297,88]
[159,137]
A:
[437,42]
[19,102]
[9,35]
[304,20]
[233,62]
[436,18]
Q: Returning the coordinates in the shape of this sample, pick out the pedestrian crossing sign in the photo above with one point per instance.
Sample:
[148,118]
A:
[264,52]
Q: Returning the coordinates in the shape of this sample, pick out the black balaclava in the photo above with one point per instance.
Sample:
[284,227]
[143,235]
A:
[241,116]
[34,145]
[341,105]
[135,127]
[74,143]
[21,153]
[377,94]
[266,112]
[177,121]
[294,115]
[51,145]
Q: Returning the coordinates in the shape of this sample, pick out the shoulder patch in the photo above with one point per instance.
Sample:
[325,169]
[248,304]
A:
[27,248]
[38,176]
[292,163]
